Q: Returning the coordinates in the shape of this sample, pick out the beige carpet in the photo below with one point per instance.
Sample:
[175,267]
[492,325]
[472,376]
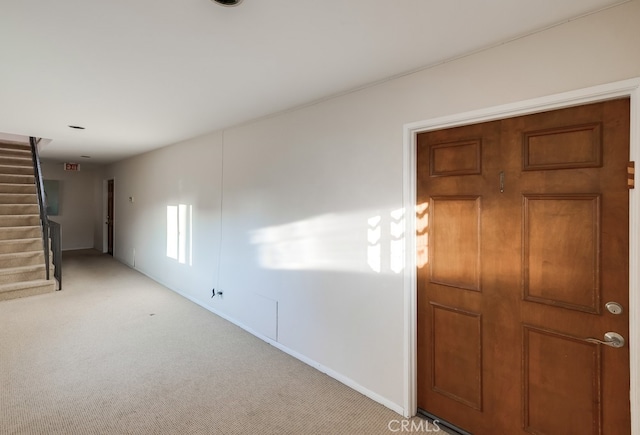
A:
[116,353]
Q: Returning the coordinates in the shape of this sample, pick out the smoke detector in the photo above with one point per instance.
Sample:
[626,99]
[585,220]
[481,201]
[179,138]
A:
[228,2]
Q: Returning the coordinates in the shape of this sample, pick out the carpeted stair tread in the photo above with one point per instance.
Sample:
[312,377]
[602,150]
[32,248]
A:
[23,273]
[15,285]
[15,184]
[14,152]
[9,144]
[21,227]
[21,232]
[17,188]
[20,245]
[17,178]
[20,254]
[4,147]
[15,169]
[21,240]
[18,198]
[16,290]
[31,267]
[13,220]
[19,209]
[21,259]
[16,161]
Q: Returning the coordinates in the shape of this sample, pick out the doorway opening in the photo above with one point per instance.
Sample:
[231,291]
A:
[109,216]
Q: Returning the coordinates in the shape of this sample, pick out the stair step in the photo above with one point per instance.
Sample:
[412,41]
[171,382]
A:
[19,220]
[17,178]
[23,232]
[22,268]
[7,151]
[26,288]
[23,273]
[16,161]
[17,188]
[19,259]
[18,198]
[15,169]
[20,245]
[14,209]
[15,145]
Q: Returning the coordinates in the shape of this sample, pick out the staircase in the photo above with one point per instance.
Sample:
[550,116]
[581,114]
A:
[22,261]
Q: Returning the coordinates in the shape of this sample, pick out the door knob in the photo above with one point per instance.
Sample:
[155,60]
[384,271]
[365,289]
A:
[612,339]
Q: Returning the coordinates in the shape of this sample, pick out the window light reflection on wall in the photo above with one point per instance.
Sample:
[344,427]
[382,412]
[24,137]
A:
[360,241]
[422,234]
[179,233]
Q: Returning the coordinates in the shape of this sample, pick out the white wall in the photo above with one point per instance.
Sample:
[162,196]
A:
[78,203]
[308,201]
[187,174]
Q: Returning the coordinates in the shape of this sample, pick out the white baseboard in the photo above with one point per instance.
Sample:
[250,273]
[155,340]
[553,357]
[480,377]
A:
[77,249]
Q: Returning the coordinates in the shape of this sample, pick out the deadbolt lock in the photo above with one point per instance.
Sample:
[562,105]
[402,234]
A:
[614,307]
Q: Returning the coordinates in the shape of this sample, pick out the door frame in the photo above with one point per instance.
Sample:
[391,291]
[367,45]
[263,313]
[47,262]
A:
[105,212]
[626,88]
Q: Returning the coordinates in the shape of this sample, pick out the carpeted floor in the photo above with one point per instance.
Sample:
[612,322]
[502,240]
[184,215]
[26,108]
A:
[116,353]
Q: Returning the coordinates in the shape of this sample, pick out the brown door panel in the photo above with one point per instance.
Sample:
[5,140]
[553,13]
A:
[522,240]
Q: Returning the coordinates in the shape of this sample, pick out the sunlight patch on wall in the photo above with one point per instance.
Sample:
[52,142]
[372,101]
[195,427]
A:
[397,231]
[374,250]
[366,242]
[422,234]
[179,233]
[172,232]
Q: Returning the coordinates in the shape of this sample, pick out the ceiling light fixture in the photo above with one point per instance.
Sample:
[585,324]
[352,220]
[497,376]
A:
[228,2]
[77,127]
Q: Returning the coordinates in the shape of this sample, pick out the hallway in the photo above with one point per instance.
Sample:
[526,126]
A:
[115,353]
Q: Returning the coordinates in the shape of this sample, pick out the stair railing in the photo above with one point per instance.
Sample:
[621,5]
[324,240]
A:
[42,203]
[56,250]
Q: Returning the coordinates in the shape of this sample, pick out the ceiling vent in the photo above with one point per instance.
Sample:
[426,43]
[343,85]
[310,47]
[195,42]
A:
[228,2]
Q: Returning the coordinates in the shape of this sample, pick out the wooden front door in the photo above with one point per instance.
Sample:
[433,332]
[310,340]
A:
[522,241]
